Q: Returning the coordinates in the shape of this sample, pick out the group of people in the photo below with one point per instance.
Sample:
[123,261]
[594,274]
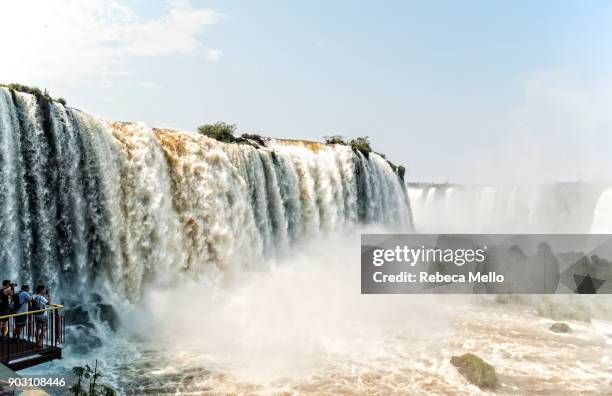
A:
[19,303]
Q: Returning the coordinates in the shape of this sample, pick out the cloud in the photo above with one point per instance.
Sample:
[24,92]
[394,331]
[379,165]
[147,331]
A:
[561,130]
[214,55]
[73,41]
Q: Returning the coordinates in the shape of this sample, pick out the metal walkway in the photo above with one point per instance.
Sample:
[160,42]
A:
[24,351]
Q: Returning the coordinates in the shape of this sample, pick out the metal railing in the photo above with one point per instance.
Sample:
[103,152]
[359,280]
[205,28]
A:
[18,333]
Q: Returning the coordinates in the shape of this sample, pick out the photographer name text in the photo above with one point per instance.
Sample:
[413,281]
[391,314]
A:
[437,277]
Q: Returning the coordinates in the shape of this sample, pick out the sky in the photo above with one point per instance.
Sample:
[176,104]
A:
[470,92]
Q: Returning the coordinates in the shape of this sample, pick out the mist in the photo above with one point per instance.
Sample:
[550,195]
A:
[302,313]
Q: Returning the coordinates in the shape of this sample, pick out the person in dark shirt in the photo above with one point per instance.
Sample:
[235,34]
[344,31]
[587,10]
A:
[8,289]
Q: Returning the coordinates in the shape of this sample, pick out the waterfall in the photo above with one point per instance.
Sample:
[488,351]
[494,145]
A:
[85,202]
[602,219]
[553,208]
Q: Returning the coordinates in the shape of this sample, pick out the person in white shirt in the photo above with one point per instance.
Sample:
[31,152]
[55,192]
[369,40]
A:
[39,302]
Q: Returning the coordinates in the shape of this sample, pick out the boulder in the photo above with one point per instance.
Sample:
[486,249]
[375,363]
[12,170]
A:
[77,315]
[95,297]
[109,315]
[475,370]
[560,327]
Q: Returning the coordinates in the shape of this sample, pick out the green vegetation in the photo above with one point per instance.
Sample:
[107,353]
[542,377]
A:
[401,171]
[335,139]
[34,91]
[219,131]
[361,144]
[560,327]
[93,388]
[475,370]
[224,132]
[252,139]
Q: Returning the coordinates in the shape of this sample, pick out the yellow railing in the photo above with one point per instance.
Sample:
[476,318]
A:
[53,308]
[25,334]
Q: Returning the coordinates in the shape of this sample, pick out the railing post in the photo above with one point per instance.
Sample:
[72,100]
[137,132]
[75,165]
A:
[56,326]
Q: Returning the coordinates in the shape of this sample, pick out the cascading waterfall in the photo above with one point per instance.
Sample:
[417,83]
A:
[602,220]
[84,202]
[554,208]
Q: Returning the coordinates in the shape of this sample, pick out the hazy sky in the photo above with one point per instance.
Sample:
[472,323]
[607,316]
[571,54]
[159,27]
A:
[454,90]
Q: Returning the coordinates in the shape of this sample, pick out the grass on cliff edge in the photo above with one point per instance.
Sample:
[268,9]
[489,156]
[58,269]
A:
[39,93]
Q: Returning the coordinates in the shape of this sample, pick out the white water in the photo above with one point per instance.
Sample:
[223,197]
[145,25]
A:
[555,208]
[302,327]
[87,203]
[240,277]
[602,220]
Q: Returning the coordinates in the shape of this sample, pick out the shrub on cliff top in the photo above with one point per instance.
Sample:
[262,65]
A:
[335,139]
[401,171]
[361,144]
[33,91]
[252,137]
[220,131]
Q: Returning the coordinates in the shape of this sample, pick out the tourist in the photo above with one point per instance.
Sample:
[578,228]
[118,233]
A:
[8,289]
[39,302]
[20,306]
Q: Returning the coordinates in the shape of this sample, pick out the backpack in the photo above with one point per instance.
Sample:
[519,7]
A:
[15,304]
[4,301]
[36,305]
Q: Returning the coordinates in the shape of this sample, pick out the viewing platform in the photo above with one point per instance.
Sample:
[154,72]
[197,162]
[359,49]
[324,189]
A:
[18,353]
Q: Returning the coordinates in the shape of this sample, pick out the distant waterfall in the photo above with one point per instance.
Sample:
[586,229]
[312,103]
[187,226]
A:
[602,220]
[85,201]
[554,208]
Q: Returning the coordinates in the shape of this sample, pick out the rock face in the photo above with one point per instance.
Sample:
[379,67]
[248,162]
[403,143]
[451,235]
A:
[108,315]
[77,315]
[560,327]
[475,370]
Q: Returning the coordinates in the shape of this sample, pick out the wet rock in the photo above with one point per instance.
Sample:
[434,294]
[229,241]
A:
[475,370]
[560,327]
[81,339]
[95,298]
[77,316]
[109,315]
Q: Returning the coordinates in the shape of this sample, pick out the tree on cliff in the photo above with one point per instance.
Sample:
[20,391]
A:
[39,93]
[361,144]
[220,131]
[335,139]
